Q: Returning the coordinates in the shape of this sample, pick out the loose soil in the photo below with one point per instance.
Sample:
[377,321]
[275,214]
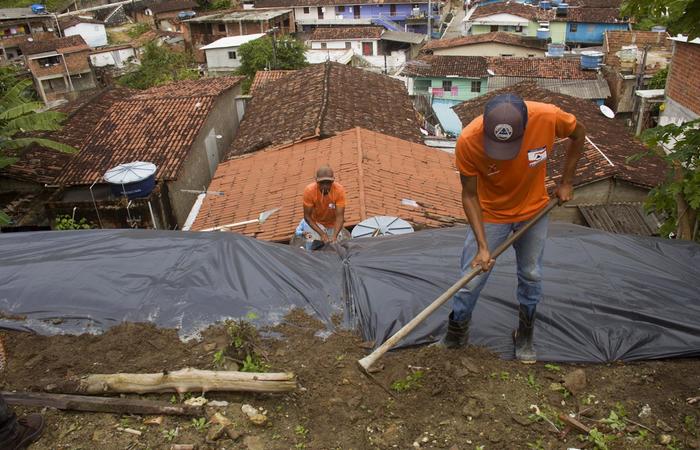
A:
[451,399]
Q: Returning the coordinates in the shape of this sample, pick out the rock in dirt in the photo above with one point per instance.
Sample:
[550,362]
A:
[215,433]
[254,415]
[575,381]
[645,412]
[665,439]
[663,426]
[196,401]
[390,437]
[253,443]
[468,364]
[154,421]
[472,408]
[218,403]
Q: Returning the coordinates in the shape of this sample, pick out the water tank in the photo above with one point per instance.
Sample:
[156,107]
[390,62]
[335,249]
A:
[562,9]
[591,60]
[38,9]
[555,50]
[658,29]
[543,33]
[135,179]
[545,4]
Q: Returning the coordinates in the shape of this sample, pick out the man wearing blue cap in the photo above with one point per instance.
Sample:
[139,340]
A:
[502,160]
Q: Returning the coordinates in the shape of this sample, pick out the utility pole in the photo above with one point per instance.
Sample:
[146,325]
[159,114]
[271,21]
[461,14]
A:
[272,31]
[430,17]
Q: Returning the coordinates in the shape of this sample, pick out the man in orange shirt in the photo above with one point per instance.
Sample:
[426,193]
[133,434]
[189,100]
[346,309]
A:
[324,205]
[502,161]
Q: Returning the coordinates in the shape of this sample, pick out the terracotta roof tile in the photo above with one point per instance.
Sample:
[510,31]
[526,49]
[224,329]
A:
[322,100]
[290,3]
[42,165]
[71,21]
[443,66]
[377,171]
[157,125]
[500,37]
[342,33]
[609,135]
[173,5]
[263,77]
[74,43]
[561,68]
[577,12]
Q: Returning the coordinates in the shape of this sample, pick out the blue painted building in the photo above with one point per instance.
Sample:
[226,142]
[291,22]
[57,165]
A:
[591,33]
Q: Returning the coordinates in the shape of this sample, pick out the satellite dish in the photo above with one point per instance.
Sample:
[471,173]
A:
[381,226]
[607,112]
[490,72]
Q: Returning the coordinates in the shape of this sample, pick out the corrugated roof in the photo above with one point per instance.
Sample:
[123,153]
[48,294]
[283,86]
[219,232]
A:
[377,171]
[322,100]
[588,89]
[158,125]
[250,15]
[625,218]
[610,136]
[403,36]
[232,41]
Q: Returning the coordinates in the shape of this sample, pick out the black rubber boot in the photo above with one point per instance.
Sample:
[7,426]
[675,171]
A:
[457,333]
[522,337]
[28,430]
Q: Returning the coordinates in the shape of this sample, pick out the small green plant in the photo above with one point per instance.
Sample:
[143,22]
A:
[124,422]
[531,381]
[252,363]
[614,421]
[219,358]
[173,399]
[620,410]
[690,425]
[68,223]
[171,434]
[300,430]
[537,445]
[599,440]
[505,376]
[412,381]
[200,424]
[137,30]
[588,399]
[300,445]
[552,367]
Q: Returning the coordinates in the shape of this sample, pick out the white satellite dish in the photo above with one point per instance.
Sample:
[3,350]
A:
[490,72]
[381,226]
[607,112]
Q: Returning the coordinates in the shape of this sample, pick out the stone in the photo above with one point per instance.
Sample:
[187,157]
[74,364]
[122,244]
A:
[215,433]
[390,437]
[665,439]
[254,415]
[217,403]
[472,408]
[575,381]
[555,387]
[645,412]
[196,401]
[154,421]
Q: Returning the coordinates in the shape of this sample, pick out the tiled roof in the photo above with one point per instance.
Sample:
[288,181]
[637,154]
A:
[500,37]
[58,44]
[444,66]
[563,68]
[609,135]
[291,3]
[71,21]
[173,5]
[322,100]
[377,171]
[615,40]
[262,77]
[575,13]
[41,165]
[157,125]
[342,33]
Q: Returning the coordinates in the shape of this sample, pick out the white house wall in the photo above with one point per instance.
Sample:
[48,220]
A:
[328,13]
[355,45]
[502,19]
[217,59]
[93,33]
[118,58]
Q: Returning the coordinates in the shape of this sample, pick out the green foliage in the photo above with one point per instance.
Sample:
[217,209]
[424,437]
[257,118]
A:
[253,363]
[599,440]
[614,421]
[68,223]
[412,381]
[658,81]
[138,29]
[678,16]
[531,381]
[504,376]
[258,55]
[160,65]
[683,176]
[171,434]
[219,358]
[552,367]
[690,425]
[300,430]
[200,424]
[537,445]
[214,4]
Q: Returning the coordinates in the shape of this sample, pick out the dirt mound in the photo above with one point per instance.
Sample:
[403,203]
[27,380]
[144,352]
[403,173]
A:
[441,398]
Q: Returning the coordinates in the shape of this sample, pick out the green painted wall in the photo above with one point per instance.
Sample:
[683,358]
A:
[556,29]
[463,85]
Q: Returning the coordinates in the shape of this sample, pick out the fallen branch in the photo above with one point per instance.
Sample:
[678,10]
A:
[638,424]
[186,380]
[99,404]
[574,423]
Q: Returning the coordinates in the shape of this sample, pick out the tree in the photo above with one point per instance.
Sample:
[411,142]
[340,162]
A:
[18,116]
[160,65]
[287,53]
[678,198]
[678,16]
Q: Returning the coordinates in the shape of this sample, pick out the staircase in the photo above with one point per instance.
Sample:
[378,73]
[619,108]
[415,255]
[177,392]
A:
[387,23]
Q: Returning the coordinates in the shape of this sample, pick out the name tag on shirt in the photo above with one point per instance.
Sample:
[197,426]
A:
[536,156]
[331,206]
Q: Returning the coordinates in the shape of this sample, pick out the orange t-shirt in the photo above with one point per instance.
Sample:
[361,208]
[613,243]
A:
[324,206]
[513,190]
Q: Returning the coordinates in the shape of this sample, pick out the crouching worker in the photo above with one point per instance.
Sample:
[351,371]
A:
[324,207]
[502,159]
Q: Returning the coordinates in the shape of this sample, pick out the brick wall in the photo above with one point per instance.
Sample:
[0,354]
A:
[684,85]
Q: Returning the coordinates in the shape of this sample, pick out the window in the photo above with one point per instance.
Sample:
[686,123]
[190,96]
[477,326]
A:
[324,45]
[50,61]
[494,28]
[476,86]
[306,10]
[530,55]
[507,55]
[231,55]
[347,45]
[341,8]
[518,28]
[222,28]
[447,85]
[574,27]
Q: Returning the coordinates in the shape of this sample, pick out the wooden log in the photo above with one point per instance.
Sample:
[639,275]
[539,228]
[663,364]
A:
[186,380]
[100,404]
[574,423]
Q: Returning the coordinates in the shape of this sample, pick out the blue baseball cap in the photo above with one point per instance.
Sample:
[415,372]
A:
[505,118]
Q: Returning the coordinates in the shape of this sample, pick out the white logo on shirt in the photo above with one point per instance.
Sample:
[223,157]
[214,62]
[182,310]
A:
[536,156]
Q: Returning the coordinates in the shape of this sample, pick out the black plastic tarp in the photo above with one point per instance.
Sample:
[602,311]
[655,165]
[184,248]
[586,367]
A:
[607,296]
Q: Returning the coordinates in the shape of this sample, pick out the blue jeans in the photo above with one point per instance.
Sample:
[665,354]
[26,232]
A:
[528,252]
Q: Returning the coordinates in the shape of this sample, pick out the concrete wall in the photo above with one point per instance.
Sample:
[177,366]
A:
[118,57]
[591,33]
[207,151]
[93,33]
[218,59]
[461,87]
[489,49]
[347,12]
[355,45]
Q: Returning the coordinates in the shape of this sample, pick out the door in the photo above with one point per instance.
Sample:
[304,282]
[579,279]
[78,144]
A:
[367,48]
[392,10]
[356,11]
[494,28]
[320,12]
